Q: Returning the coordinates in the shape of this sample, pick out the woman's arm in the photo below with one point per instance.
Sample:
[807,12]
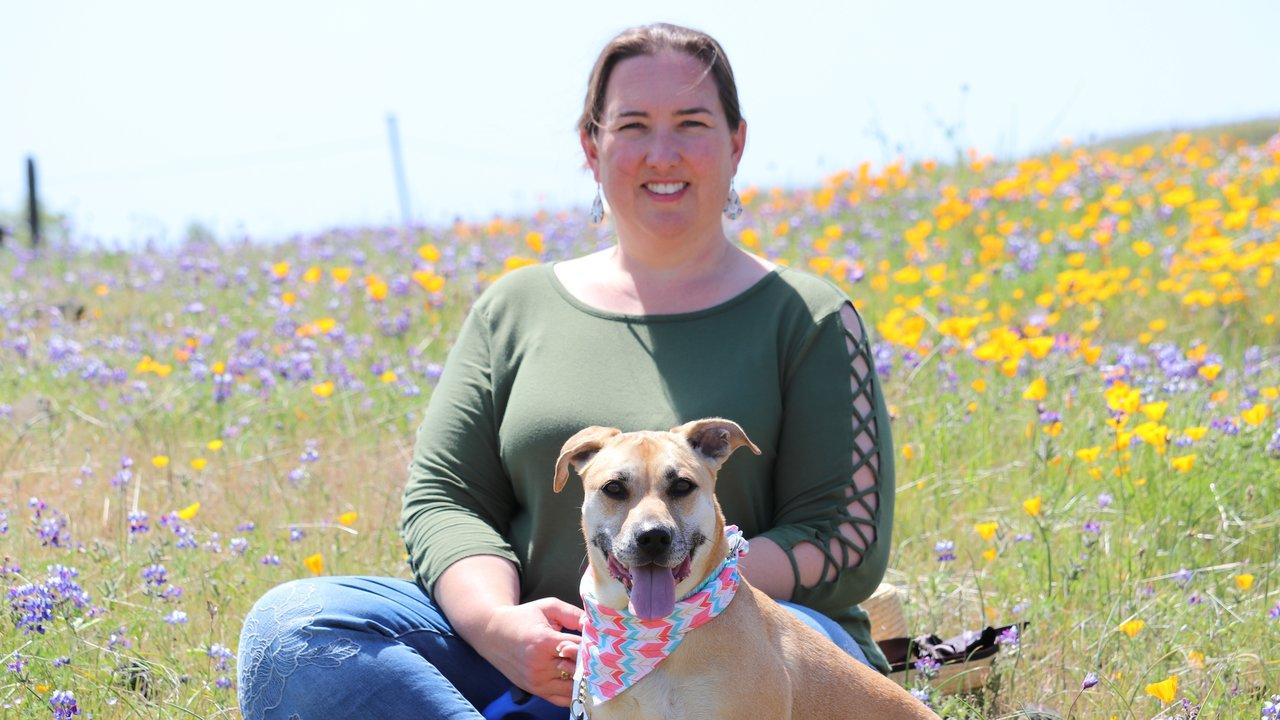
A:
[833,477]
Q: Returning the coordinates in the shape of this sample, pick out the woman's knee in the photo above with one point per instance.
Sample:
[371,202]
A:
[280,637]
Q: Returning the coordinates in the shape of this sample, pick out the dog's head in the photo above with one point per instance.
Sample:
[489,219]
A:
[653,527]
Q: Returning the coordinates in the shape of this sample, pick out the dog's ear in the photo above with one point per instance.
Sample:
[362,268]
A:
[579,449]
[715,438]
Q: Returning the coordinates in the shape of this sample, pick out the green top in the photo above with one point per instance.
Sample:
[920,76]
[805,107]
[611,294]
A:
[532,365]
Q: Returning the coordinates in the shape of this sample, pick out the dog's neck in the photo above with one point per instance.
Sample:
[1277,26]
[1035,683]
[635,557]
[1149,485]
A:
[611,593]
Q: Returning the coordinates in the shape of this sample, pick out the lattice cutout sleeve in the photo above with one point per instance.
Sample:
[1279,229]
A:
[840,554]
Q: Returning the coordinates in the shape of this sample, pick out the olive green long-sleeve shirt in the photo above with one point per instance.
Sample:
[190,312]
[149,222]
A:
[532,365]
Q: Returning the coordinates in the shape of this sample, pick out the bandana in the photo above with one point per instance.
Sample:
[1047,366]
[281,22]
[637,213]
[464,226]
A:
[618,648]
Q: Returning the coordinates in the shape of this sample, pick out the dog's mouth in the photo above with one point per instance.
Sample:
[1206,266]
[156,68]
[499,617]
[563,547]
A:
[650,587]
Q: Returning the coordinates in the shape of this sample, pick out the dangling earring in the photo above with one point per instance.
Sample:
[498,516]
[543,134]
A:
[732,206]
[597,207]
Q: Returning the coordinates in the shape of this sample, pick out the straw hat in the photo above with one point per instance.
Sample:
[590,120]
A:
[884,610]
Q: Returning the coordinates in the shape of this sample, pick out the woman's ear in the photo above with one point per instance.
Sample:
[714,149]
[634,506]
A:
[738,143]
[591,151]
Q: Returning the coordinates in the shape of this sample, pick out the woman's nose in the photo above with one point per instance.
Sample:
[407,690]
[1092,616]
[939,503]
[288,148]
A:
[663,151]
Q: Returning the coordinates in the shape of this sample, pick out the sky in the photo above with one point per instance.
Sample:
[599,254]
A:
[269,119]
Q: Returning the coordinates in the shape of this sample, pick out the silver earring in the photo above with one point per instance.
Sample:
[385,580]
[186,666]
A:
[733,206]
[597,207]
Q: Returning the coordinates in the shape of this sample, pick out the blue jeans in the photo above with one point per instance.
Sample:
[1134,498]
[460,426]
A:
[361,647]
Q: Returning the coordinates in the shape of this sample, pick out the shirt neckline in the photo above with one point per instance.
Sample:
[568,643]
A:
[550,273]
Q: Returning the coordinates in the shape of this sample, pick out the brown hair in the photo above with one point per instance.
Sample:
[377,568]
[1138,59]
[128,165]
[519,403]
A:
[651,40]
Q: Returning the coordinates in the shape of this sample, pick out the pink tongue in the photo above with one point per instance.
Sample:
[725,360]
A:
[653,592]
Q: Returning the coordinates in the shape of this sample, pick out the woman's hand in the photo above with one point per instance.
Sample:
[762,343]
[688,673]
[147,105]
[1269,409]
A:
[527,644]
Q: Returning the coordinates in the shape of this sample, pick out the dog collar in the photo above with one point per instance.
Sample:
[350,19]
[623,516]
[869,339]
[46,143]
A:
[618,648]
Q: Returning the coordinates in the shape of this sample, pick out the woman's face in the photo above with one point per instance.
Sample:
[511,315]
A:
[664,153]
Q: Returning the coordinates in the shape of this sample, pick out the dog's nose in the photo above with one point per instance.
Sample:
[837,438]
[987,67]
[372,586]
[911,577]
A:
[654,542]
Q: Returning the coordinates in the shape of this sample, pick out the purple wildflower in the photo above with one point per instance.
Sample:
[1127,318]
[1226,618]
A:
[1273,447]
[1271,708]
[270,560]
[295,533]
[1090,681]
[221,656]
[246,527]
[63,704]
[1183,577]
[177,617]
[945,550]
[223,682]
[18,664]
[1092,527]
[239,545]
[155,575]
[138,523]
[1105,500]
[1009,637]
[928,667]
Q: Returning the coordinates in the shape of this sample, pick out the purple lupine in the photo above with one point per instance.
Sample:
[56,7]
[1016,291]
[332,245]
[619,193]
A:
[17,664]
[138,523]
[238,545]
[1271,708]
[928,667]
[1273,447]
[1183,577]
[1009,637]
[221,656]
[1105,500]
[223,386]
[155,575]
[64,705]
[945,550]
[177,617]
[270,560]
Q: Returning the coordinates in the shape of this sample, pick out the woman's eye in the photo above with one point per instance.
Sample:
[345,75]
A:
[614,489]
[694,123]
[628,126]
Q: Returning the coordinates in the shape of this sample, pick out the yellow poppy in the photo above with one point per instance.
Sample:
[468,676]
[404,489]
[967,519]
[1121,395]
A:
[1132,627]
[1165,691]
[314,563]
[1033,506]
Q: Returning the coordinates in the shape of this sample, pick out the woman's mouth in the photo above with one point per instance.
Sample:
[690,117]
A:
[665,191]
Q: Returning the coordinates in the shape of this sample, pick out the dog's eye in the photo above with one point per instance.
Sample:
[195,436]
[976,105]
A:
[681,487]
[615,489]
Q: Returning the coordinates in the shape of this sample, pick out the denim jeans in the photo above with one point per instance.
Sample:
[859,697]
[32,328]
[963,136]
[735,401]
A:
[377,647]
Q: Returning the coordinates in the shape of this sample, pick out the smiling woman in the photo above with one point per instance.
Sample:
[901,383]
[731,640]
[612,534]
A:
[672,323]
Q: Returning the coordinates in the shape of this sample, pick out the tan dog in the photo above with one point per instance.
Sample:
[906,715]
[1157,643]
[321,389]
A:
[653,526]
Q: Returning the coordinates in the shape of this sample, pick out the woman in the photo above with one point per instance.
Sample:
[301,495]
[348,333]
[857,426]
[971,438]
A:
[671,324]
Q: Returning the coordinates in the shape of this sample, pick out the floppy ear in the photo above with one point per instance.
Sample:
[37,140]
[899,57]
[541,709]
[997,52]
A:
[579,449]
[715,438]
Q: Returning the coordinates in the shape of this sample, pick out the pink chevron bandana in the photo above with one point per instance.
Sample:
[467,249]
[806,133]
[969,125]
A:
[618,648]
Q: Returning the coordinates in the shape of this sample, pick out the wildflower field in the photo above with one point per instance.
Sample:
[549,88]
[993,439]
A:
[1080,350]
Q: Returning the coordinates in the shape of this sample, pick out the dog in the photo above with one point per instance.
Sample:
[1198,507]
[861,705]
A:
[657,546]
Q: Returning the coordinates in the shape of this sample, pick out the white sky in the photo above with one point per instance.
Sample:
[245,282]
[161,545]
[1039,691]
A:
[269,117]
